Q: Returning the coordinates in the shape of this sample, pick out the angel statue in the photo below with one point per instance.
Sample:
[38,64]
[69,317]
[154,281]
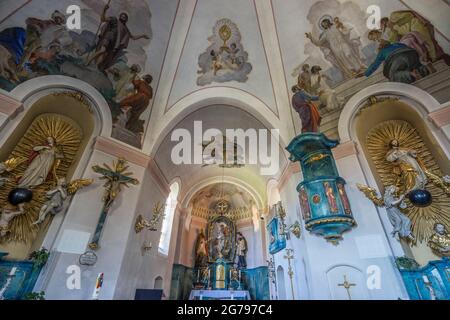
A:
[8,166]
[9,212]
[400,222]
[440,241]
[57,196]
[42,162]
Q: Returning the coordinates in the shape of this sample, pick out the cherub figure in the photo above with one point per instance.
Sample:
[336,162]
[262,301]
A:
[57,196]
[6,167]
[9,212]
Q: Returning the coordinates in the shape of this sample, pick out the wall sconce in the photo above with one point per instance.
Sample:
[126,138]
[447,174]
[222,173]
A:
[294,228]
[141,222]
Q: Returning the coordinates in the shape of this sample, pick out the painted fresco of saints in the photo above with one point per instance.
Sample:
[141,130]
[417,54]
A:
[339,48]
[113,40]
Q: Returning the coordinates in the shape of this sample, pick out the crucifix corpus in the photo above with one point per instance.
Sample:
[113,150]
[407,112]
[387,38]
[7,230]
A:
[347,286]
[115,177]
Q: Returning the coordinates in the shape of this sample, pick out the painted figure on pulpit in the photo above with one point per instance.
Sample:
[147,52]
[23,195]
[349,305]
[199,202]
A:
[304,203]
[331,197]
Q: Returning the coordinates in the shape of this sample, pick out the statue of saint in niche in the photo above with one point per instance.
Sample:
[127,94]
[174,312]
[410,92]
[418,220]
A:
[41,164]
[408,168]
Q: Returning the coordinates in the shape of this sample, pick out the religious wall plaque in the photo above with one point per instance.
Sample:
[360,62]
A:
[89,258]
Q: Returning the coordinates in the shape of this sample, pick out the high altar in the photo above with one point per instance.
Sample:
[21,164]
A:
[220,259]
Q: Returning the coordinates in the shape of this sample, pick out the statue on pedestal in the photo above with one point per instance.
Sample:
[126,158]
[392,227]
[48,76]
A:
[440,241]
[241,251]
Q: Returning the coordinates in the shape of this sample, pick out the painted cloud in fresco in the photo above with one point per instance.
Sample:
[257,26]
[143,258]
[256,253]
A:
[225,59]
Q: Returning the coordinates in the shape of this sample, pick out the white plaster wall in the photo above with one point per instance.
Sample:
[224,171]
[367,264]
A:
[320,256]
[82,216]
[138,271]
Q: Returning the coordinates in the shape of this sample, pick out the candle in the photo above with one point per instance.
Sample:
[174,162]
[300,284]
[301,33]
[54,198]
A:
[13,271]
[98,286]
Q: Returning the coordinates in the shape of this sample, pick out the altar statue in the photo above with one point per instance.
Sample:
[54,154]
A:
[41,164]
[9,212]
[439,242]
[241,251]
[400,222]
[407,167]
[201,253]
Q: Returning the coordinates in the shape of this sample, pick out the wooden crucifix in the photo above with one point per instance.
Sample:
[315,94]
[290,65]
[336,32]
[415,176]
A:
[347,286]
[115,177]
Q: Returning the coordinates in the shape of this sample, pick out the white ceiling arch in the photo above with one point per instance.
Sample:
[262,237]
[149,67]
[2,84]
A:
[163,124]
[189,194]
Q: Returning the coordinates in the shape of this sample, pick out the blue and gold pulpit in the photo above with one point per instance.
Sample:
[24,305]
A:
[323,199]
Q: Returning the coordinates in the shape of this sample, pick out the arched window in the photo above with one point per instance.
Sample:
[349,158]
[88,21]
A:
[166,229]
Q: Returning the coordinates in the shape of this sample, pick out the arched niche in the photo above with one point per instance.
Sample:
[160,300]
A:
[393,109]
[74,108]
[381,108]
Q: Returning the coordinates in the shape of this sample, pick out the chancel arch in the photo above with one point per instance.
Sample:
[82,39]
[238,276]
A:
[209,97]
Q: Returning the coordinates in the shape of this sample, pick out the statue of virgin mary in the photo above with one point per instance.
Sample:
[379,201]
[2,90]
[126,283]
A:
[41,164]
[408,167]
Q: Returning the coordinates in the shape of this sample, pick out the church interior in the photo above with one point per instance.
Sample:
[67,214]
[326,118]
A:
[224,150]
